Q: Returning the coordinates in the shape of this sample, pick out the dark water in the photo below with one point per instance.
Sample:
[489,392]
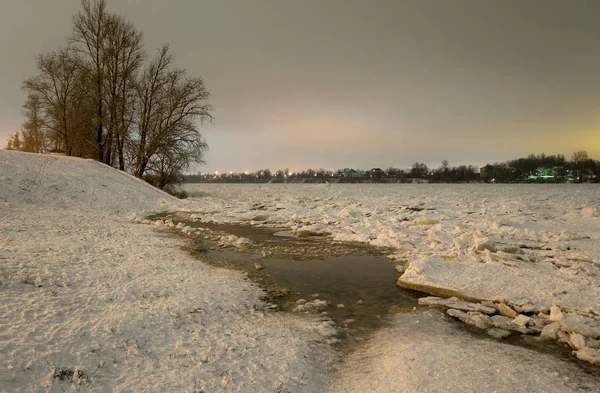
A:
[341,280]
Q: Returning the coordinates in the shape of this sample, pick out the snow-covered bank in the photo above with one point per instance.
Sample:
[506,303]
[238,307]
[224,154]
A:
[90,301]
[532,286]
[422,352]
[530,246]
[539,300]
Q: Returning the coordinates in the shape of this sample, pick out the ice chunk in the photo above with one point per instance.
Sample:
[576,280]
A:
[477,319]
[555,313]
[463,316]
[484,244]
[456,304]
[586,326]
[536,284]
[521,320]
[550,331]
[576,341]
[589,355]
[506,311]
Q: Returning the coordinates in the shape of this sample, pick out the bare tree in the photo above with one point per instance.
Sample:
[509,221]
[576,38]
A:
[124,56]
[419,170]
[579,159]
[90,29]
[94,99]
[14,142]
[34,129]
[149,89]
[54,86]
[170,105]
[579,156]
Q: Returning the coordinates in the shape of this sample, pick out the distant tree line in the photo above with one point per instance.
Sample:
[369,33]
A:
[533,168]
[557,168]
[100,97]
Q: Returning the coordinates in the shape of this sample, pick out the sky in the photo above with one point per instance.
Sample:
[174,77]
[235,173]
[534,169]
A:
[352,83]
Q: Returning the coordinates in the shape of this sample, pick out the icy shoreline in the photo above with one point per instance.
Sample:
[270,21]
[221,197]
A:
[91,301]
[529,246]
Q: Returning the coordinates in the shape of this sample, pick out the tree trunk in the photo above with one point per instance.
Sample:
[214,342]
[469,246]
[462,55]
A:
[120,152]
[139,172]
[109,145]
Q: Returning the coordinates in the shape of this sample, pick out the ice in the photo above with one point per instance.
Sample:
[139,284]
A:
[438,357]
[505,310]
[550,331]
[85,288]
[526,246]
[456,303]
[589,355]
[312,307]
[519,284]
[589,212]
[521,320]
[589,327]
[576,341]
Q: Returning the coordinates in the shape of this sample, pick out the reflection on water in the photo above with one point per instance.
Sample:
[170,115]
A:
[341,280]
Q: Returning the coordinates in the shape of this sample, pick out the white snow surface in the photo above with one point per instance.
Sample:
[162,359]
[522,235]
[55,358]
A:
[538,285]
[423,352]
[84,288]
[119,304]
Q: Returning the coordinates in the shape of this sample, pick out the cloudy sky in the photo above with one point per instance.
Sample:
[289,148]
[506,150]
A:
[352,83]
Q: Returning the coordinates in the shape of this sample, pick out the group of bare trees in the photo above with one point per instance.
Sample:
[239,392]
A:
[100,97]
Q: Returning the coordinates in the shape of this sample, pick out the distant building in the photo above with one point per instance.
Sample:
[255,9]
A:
[350,173]
[555,174]
[377,174]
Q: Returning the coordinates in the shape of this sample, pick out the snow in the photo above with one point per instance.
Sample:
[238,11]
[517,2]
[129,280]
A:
[470,222]
[89,295]
[530,244]
[528,247]
[520,283]
[439,357]
[508,224]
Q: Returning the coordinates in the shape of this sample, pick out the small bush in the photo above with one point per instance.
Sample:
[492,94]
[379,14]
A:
[169,184]
[176,191]
[68,374]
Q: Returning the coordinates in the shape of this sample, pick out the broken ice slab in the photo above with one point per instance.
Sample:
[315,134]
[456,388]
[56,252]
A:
[455,303]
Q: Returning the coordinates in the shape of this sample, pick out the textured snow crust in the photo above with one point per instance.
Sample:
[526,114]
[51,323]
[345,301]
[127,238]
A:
[93,302]
[423,352]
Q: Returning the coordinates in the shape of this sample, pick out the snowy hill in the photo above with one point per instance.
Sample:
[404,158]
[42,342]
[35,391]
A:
[92,302]
[69,182]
